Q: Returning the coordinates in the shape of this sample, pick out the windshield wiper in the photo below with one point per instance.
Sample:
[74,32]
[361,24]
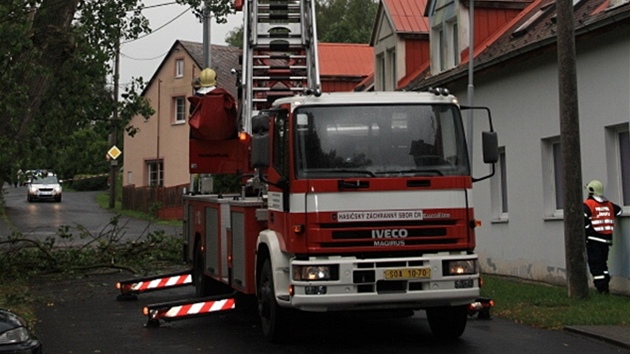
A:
[426,172]
[342,170]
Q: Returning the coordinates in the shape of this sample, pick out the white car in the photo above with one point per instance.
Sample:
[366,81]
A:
[44,187]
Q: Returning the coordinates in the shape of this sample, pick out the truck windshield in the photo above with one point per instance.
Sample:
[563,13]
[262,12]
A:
[379,141]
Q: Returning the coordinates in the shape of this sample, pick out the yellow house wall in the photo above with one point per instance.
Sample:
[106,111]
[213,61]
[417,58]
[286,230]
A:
[169,141]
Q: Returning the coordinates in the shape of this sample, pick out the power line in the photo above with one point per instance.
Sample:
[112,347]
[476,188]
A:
[143,59]
[159,28]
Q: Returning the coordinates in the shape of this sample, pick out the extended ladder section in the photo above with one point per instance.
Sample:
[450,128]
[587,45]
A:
[279,53]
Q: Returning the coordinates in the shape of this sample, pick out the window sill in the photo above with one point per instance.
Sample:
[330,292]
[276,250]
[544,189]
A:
[499,221]
[179,122]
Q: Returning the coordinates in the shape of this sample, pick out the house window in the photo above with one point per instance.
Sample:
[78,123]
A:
[380,70]
[498,185]
[553,182]
[155,173]
[391,55]
[179,105]
[624,162]
[503,176]
[179,68]
[558,171]
[443,49]
[617,142]
[454,43]
[446,48]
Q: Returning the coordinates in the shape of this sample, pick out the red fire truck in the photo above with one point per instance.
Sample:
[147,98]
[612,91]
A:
[350,202]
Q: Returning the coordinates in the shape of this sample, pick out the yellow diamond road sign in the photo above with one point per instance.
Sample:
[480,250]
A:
[114,152]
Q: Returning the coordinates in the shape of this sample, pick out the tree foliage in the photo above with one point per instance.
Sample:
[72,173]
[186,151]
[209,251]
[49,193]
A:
[55,58]
[345,21]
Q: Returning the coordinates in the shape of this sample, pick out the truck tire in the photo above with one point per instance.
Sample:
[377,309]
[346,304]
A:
[272,316]
[200,280]
[205,285]
[447,322]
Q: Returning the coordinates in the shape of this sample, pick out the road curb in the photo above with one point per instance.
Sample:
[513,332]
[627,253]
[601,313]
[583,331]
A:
[616,335]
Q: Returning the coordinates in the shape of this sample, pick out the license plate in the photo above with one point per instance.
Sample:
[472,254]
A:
[407,273]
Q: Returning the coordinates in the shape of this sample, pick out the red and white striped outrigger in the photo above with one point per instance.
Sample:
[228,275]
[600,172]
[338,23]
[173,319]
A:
[177,310]
[129,289]
[173,310]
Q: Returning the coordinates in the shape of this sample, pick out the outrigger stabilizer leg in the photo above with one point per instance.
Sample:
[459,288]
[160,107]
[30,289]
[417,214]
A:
[178,310]
[129,289]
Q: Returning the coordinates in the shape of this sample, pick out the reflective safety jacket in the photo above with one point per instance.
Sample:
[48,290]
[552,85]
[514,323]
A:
[599,219]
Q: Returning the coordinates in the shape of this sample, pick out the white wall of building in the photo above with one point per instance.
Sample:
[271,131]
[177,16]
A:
[528,242]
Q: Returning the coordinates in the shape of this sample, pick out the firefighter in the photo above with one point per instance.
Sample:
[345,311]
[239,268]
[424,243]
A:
[208,81]
[213,110]
[599,221]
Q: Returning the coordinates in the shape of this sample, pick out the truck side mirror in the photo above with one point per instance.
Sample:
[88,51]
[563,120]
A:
[490,143]
[260,141]
[260,150]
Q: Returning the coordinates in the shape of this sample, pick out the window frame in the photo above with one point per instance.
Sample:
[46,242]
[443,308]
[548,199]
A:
[618,186]
[551,162]
[179,68]
[499,191]
[176,109]
[151,173]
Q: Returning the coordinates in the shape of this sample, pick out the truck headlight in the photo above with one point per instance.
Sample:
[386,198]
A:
[459,267]
[315,272]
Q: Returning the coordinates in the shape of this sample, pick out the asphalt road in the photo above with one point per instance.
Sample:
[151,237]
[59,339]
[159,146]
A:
[81,315]
[77,210]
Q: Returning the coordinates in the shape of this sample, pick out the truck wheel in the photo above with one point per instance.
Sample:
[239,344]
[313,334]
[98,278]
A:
[200,280]
[447,322]
[272,316]
[205,285]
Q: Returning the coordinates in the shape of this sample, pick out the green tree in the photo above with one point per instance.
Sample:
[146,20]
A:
[235,37]
[55,57]
[345,21]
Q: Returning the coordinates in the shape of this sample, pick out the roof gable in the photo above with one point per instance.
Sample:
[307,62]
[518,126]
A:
[407,15]
[534,29]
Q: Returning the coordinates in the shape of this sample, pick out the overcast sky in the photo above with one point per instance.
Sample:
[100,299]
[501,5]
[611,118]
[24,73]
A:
[142,57]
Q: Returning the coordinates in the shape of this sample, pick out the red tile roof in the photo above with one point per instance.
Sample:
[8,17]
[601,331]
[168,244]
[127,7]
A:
[408,15]
[345,59]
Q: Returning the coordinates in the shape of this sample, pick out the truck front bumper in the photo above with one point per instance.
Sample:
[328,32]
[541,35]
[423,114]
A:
[363,284]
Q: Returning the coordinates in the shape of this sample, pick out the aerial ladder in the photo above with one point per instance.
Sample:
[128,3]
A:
[279,59]
[279,53]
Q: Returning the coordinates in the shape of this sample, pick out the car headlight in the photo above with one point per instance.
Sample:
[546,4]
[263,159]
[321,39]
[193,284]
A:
[315,272]
[15,335]
[459,267]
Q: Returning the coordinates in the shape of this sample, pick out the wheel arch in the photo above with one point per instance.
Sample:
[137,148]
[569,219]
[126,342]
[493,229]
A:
[268,247]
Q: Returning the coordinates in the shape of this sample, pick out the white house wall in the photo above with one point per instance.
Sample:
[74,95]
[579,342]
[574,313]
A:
[525,108]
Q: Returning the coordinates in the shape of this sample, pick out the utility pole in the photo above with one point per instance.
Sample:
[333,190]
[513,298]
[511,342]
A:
[471,74]
[574,239]
[113,138]
[207,52]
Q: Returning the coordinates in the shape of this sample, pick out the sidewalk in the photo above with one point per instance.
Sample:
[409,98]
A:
[616,335]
